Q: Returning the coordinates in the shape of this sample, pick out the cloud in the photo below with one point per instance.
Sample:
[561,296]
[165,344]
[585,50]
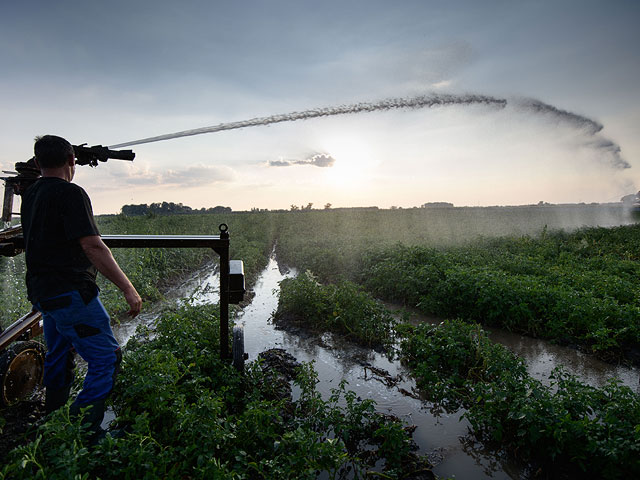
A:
[192,176]
[397,68]
[442,84]
[321,160]
[280,163]
[317,160]
[198,175]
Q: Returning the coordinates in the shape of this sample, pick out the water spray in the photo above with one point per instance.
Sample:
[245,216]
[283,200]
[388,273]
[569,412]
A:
[575,120]
[423,101]
[587,125]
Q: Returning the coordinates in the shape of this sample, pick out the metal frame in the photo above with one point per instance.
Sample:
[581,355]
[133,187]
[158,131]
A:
[28,325]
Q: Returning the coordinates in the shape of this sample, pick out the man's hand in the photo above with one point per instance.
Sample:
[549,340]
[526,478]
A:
[134,301]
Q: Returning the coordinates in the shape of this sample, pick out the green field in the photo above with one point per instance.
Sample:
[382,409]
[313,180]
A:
[578,288]
[508,267]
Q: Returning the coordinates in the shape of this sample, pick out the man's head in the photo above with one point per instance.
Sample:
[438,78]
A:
[52,151]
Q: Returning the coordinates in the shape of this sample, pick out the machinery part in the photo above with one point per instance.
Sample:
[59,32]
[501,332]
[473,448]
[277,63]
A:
[91,155]
[25,328]
[21,371]
[237,348]
[236,281]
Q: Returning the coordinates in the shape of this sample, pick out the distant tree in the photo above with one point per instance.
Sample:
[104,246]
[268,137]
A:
[308,207]
[294,208]
[134,210]
[169,208]
[327,206]
[436,205]
[219,209]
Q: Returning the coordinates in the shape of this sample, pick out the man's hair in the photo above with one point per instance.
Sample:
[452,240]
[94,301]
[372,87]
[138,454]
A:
[52,151]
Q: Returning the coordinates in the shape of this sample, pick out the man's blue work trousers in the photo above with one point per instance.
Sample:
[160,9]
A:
[69,324]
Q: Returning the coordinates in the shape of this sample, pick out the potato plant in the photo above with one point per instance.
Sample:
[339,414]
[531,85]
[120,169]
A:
[343,308]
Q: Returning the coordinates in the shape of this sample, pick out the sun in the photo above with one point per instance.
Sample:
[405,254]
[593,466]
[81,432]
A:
[353,162]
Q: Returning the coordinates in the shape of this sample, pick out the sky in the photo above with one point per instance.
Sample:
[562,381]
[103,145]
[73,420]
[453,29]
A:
[113,72]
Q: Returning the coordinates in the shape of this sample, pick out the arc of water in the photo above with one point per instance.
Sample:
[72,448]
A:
[423,101]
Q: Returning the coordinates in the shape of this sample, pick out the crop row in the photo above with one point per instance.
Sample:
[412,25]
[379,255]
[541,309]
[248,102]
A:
[570,297]
[343,308]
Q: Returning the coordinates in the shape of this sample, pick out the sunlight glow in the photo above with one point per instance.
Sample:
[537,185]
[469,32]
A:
[354,162]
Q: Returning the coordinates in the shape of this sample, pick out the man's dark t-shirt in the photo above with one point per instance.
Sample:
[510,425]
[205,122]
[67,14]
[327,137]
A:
[55,214]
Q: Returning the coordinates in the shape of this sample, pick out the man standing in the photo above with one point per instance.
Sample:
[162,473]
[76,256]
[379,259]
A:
[63,252]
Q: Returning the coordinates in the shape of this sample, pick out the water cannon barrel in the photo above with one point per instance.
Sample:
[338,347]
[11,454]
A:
[120,154]
[91,155]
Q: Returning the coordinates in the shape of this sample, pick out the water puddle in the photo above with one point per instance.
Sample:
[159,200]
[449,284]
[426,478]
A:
[445,437]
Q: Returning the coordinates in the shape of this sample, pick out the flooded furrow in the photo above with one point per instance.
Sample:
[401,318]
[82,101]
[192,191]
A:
[444,438]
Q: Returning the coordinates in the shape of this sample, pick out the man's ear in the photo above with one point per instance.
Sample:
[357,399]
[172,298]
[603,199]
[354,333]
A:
[71,160]
[35,160]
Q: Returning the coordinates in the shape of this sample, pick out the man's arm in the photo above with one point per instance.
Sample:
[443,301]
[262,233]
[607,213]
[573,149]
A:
[100,255]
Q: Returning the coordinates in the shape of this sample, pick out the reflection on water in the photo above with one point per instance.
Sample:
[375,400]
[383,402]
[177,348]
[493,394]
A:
[443,438]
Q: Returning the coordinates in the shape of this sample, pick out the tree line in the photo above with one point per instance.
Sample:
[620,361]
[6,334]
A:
[168,208]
